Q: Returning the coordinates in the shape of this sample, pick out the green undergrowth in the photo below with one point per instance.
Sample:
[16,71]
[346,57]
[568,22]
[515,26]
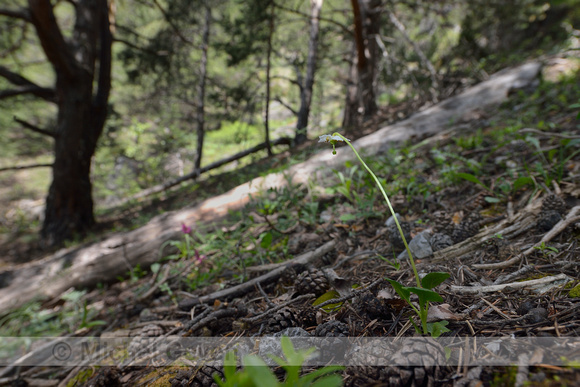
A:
[481,157]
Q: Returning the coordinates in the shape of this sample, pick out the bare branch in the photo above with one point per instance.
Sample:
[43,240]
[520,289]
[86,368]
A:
[426,62]
[27,86]
[341,26]
[173,26]
[41,92]
[291,80]
[25,167]
[50,35]
[22,14]
[35,128]
[279,100]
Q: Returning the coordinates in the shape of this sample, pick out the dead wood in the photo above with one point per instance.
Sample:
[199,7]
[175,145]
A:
[248,286]
[87,265]
[531,284]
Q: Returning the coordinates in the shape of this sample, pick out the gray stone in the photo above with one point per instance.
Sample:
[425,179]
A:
[391,221]
[419,246]
[271,345]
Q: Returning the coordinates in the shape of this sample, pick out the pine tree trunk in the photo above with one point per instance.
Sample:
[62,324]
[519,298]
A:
[81,112]
[306,90]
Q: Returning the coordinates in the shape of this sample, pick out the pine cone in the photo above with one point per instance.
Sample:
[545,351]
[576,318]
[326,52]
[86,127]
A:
[554,203]
[547,220]
[440,241]
[283,319]
[442,222]
[467,228]
[311,281]
[333,343]
[395,235]
[374,355]
[202,377]
[288,275]
[307,316]
[374,307]
[151,330]
[332,328]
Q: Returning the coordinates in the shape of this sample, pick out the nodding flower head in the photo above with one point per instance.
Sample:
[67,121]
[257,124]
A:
[185,229]
[330,138]
[333,139]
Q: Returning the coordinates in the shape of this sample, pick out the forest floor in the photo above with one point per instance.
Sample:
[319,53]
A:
[496,206]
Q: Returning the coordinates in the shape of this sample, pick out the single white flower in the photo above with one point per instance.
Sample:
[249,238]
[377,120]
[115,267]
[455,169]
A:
[330,138]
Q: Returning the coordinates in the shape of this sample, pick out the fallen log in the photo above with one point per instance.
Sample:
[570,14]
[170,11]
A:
[103,261]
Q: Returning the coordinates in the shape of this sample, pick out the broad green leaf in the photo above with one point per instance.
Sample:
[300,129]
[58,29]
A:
[434,279]
[347,217]
[490,199]
[230,365]
[426,295]
[259,371]
[521,181]
[401,290]
[328,381]
[437,328]
[266,241]
[328,296]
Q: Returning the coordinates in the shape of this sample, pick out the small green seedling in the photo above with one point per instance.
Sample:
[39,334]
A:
[257,374]
[424,287]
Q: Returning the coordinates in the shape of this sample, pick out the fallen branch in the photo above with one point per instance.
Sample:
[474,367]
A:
[248,286]
[195,174]
[573,216]
[512,285]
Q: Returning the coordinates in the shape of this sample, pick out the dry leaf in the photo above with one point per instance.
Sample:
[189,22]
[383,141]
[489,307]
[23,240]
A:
[442,312]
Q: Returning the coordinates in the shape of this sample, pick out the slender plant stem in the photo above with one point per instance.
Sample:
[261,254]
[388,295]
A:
[388,204]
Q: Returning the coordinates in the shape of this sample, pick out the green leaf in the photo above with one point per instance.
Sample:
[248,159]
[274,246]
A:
[230,365]
[266,241]
[471,178]
[425,295]
[155,268]
[490,199]
[347,217]
[259,372]
[319,373]
[434,279]
[328,381]
[328,296]
[521,181]
[437,328]
[402,291]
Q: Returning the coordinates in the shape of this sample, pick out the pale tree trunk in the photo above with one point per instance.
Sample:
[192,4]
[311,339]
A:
[81,112]
[268,67]
[306,89]
[201,89]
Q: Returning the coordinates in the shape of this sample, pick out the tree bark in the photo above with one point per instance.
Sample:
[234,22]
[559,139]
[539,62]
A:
[80,65]
[201,89]
[363,84]
[268,68]
[306,89]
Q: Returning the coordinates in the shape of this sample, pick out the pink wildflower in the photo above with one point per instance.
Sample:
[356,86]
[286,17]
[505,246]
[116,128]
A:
[185,229]
[199,258]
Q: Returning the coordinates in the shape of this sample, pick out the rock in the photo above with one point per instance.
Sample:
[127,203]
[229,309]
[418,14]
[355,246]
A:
[419,246]
[391,221]
[271,345]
